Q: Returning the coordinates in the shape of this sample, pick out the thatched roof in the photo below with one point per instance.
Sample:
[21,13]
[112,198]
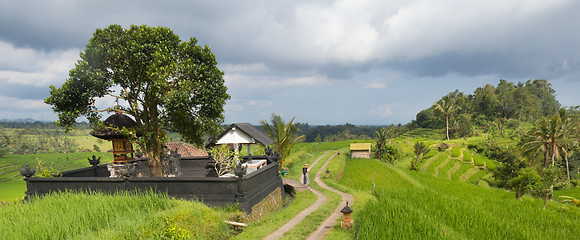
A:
[186,150]
[113,126]
[360,146]
[443,145]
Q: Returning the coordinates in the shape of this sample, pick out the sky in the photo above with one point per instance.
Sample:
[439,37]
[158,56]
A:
[322,62]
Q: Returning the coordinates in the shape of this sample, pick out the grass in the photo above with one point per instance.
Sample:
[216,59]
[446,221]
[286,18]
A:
[467,156]
[479,160]
[311,222]
[443,209]
[462,169]
[118,216]
[12,186]
[490,164]
[456,152]
[433,168]
[272,221]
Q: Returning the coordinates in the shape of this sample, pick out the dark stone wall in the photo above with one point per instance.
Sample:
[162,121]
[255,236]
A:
[247,191]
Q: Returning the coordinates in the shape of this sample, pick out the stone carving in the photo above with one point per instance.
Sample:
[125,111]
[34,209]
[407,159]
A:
[171,166]
[27,171]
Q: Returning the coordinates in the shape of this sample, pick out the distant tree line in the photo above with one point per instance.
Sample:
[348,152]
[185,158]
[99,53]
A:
[490,108]
[331,133]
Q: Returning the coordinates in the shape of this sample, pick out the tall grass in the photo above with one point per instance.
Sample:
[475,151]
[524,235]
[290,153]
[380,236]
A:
[120,216]
[443,209]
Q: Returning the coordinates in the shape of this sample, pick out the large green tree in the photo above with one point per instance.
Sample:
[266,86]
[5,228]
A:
[164,83]
[284,134]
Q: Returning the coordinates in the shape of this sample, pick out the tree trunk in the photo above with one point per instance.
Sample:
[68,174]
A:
[447,126]
[546,156]
[567,167]
[156,167]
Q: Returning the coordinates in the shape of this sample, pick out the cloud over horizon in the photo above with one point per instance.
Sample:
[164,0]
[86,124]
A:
[319,61]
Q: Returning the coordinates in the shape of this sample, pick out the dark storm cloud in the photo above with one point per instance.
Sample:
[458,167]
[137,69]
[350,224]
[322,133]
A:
[276,52]
[22,91]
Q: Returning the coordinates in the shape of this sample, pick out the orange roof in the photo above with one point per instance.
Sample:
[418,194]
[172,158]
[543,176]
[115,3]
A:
[186,150]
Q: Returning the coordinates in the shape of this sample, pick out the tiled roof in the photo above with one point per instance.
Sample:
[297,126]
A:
[186,150]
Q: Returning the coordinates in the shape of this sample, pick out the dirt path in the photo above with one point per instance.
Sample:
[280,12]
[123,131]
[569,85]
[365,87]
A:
[328,222]
[331,220]
[296,220]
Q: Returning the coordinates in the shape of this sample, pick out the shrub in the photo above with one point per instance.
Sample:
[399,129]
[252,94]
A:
[44,170]
[225,159]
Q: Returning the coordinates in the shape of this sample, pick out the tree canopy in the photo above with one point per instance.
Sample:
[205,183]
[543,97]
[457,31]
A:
[164,83]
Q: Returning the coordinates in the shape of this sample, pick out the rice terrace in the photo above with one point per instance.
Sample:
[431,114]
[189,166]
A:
[142,150]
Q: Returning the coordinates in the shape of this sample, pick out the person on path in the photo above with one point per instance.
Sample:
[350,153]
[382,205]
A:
[305,178]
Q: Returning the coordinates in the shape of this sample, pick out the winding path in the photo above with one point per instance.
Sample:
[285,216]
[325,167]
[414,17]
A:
[328,222]
[331,220]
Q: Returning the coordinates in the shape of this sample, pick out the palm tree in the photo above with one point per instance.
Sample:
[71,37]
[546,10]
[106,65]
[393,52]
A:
[554,135]
[284,135]
[380,146]
[545,138]
[420,150]
[569,139]
[446,106]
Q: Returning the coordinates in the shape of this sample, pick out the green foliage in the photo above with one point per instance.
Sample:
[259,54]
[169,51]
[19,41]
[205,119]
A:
[381,143]
[446,107]
[172,233]
[391,154]
[509,169]
[284,135]
[225,159]
[549,178]
[461,127]
[526,181]
[420,150]
[45,170]
[165,83]
[318,139]
[426,119]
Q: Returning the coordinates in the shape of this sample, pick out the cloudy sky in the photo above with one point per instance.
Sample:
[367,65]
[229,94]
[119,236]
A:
[323,62]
